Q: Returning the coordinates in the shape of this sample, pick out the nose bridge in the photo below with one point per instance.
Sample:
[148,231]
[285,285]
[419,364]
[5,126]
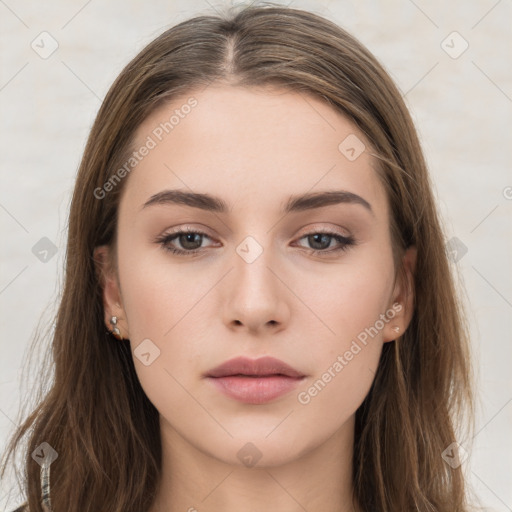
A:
[253,259]
[255,292]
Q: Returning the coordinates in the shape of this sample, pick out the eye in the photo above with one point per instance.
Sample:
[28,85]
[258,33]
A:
[191,241]
[324,238]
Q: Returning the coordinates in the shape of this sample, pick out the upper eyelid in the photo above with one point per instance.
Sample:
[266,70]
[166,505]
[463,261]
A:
[202,231]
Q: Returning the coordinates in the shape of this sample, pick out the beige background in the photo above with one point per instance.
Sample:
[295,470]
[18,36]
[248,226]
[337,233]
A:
[462,108]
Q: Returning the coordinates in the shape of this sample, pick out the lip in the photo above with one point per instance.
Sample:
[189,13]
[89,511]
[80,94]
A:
[254,381]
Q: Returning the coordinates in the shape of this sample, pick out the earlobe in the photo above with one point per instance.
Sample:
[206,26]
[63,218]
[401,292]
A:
[112,302]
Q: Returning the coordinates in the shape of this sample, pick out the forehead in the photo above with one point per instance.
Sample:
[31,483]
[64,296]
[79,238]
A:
[252,146]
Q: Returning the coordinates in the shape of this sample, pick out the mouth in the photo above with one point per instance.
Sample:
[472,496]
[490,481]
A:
[254,381]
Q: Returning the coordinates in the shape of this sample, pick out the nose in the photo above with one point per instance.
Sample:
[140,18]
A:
[255,296]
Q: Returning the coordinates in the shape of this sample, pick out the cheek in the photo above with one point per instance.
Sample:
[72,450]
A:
[345,363]
[333,396]
[352,306]
[164,303]
[352,297]
[158,295]
[162,306]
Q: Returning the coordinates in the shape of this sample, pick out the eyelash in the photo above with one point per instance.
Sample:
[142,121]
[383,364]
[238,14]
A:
[346,242]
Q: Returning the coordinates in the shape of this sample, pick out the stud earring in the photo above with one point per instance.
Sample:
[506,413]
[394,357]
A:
[396,329]
[115,330]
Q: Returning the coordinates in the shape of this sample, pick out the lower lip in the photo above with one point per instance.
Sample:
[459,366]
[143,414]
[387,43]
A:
[255,390]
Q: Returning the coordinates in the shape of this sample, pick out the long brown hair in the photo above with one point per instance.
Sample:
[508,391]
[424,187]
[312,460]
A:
[96,415]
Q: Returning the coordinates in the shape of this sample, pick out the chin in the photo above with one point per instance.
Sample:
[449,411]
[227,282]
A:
[258,448]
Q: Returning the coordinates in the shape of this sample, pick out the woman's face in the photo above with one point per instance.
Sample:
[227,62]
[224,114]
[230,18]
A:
[246,282]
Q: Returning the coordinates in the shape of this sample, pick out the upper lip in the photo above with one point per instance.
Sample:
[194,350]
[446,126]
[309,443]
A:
[262,367]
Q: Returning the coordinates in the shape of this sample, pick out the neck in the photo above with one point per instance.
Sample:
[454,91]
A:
[318,479]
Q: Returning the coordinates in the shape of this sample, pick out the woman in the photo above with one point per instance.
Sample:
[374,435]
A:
[258,310]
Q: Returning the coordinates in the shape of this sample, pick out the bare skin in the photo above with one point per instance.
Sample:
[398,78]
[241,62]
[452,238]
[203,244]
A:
[254,148]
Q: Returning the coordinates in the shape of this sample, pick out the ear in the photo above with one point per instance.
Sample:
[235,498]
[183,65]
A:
[112,300]
[403,298]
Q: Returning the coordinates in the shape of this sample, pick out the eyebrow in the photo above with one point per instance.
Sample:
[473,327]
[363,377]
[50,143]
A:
[295,203]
